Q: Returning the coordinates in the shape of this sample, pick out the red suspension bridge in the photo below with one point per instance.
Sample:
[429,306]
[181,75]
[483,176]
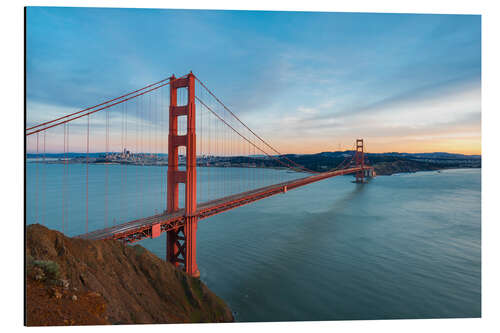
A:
[110,144]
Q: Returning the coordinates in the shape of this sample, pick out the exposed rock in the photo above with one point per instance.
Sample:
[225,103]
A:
[37,274]
[55,293]
[64,283]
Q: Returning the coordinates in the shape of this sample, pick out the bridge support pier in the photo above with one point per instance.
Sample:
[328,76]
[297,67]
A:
[190,259]
[360,177]
[181,243]
[175,249]
[181,247]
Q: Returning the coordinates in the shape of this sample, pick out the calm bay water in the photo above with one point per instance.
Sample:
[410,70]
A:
[401,246]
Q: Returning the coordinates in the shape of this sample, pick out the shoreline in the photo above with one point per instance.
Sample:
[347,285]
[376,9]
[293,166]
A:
[437,170]
[376,166]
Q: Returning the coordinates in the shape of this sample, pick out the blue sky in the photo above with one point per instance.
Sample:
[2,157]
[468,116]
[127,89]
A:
[308,82]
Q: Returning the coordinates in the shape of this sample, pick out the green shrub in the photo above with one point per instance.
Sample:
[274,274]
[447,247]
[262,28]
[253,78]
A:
[50,268]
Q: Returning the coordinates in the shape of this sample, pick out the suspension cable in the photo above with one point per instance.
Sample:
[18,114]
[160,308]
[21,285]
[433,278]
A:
[97,110]
[95,106]
[257,136]
[250,142]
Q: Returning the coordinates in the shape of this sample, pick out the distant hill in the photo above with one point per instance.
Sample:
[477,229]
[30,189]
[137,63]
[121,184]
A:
[325,161]
[436,155]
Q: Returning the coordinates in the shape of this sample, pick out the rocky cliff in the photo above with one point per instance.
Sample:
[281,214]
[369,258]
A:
[77,282]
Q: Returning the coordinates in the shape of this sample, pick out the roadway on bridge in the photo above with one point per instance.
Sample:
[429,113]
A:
[213,207]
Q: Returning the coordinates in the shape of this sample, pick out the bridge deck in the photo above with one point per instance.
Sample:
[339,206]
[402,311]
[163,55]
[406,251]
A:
[143,228]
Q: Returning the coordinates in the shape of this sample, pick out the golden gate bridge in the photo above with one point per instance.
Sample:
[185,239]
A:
[133,130]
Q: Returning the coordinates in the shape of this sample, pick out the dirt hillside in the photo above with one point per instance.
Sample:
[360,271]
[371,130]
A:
[77,282]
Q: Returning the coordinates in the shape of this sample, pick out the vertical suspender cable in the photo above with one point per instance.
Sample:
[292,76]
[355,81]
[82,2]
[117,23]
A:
[121,162]
[218,154]
[224,152]
[43,177]
[209,172]
[142,155]
[37,185]
[125,145]
[137,152]
[87,180]
[37,182]
[63,196]
[106,171]
[149,138]
[68,179]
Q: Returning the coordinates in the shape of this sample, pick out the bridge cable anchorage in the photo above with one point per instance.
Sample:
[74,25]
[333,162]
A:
[256,135]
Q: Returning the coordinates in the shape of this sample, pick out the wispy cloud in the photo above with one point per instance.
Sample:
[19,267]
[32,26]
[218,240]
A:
[300,79]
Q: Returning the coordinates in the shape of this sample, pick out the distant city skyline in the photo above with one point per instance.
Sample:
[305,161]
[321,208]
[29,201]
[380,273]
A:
[306,82]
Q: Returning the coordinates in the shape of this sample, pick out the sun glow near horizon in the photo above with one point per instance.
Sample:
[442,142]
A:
[458,146]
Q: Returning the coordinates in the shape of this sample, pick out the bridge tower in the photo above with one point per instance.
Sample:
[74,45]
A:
[359,159]
[181,243]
